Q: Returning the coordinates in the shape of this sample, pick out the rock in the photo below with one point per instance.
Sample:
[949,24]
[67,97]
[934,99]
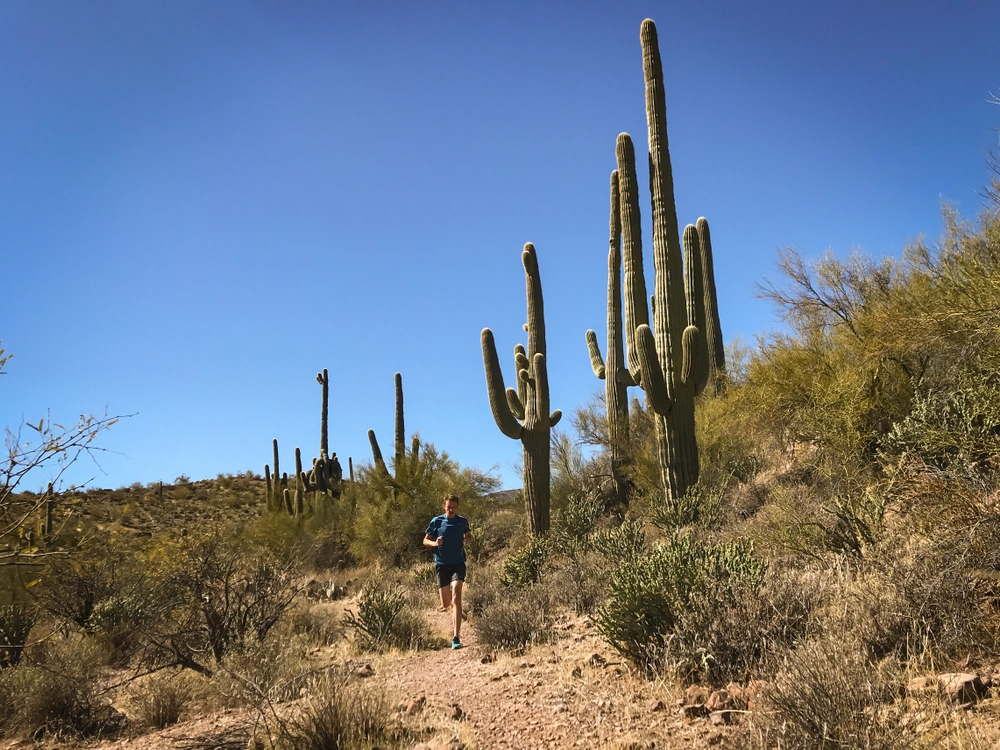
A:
[365,670]
[694,710]
[488,659]
[596,660]
[656,706]
[961,687]
[456,712]
[754,691]
[696,695]
[416,705]
[577,672]
[719,700]
[920,684]
[720,718]
[738,694]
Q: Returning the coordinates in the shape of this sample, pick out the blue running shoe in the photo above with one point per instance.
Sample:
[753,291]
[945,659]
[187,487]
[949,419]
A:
[455,643]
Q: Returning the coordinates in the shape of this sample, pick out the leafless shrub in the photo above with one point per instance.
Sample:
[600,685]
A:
[829,694]
[337,716]
[161,700]
[515,619]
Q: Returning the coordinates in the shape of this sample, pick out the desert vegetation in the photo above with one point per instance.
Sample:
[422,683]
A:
[799,536]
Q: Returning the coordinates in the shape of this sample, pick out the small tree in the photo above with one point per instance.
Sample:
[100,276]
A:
[51,446]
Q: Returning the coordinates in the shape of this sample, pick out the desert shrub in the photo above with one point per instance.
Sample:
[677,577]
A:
[393,511]
[384,619]
[523,567]
[649,595]
[314,622]
[576,521]
[60,696]
[262,672]
[16,622]
[120,622]
[339,715]
[494,532]
[514,620]
[475,599]
[233,594]
[73,585]
[579,582]
[828,695]
[728,633]
[161,700]
[620,544]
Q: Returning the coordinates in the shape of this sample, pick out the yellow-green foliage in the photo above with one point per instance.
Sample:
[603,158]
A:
[877,351]
[392,513]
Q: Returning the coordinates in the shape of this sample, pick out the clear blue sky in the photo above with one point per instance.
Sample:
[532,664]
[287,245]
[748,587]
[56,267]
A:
[202,204]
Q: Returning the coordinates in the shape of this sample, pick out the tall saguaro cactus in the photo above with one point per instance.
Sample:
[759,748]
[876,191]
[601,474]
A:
[523,414]
[613,372]
[403,468]
[669,360]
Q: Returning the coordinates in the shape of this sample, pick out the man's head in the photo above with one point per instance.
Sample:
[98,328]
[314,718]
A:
[451,505]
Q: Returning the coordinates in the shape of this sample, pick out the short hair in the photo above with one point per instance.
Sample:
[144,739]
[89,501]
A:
[451,499]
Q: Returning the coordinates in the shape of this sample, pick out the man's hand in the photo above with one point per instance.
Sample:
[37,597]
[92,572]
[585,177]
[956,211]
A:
[439,542]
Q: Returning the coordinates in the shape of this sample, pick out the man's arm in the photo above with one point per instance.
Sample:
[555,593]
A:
[430,541]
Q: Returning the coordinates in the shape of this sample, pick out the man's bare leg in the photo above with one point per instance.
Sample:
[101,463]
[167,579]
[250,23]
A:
[457,598]
[445,598]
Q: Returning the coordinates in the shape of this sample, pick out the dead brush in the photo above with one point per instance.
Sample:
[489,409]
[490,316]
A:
[161,701]
[829,694]
[338,715]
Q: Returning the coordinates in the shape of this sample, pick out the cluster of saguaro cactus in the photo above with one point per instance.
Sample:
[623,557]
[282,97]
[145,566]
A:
[407,467]
[614,372]
[672,359]
[523,414]
[323,480]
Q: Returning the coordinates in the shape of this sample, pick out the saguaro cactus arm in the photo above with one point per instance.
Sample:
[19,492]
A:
[536,308]
[376,451]
[499,404]
[653,382]
[596,361]
[400,429]
[713,328]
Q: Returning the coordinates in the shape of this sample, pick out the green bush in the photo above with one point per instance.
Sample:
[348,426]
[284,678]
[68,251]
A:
[523,567]
[384,619]
[392,513]
[621,544]
[649,596]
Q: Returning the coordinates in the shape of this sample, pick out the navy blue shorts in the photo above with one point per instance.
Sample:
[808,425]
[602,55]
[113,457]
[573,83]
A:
[446,574]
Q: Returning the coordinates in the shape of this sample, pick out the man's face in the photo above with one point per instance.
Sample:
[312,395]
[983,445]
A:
[451,509]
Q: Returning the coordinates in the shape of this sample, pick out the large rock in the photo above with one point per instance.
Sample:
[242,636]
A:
[961,687]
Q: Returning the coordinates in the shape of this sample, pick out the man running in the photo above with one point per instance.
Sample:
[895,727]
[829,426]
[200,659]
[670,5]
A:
[448,534]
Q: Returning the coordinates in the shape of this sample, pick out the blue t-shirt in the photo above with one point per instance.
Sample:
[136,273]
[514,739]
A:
[452,551]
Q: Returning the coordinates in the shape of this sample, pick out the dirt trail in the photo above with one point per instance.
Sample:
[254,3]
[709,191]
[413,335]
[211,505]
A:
[569,693]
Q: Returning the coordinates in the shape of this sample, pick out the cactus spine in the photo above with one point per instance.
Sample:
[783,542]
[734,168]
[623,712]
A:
[670,360]
[614,373]
[524,414]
